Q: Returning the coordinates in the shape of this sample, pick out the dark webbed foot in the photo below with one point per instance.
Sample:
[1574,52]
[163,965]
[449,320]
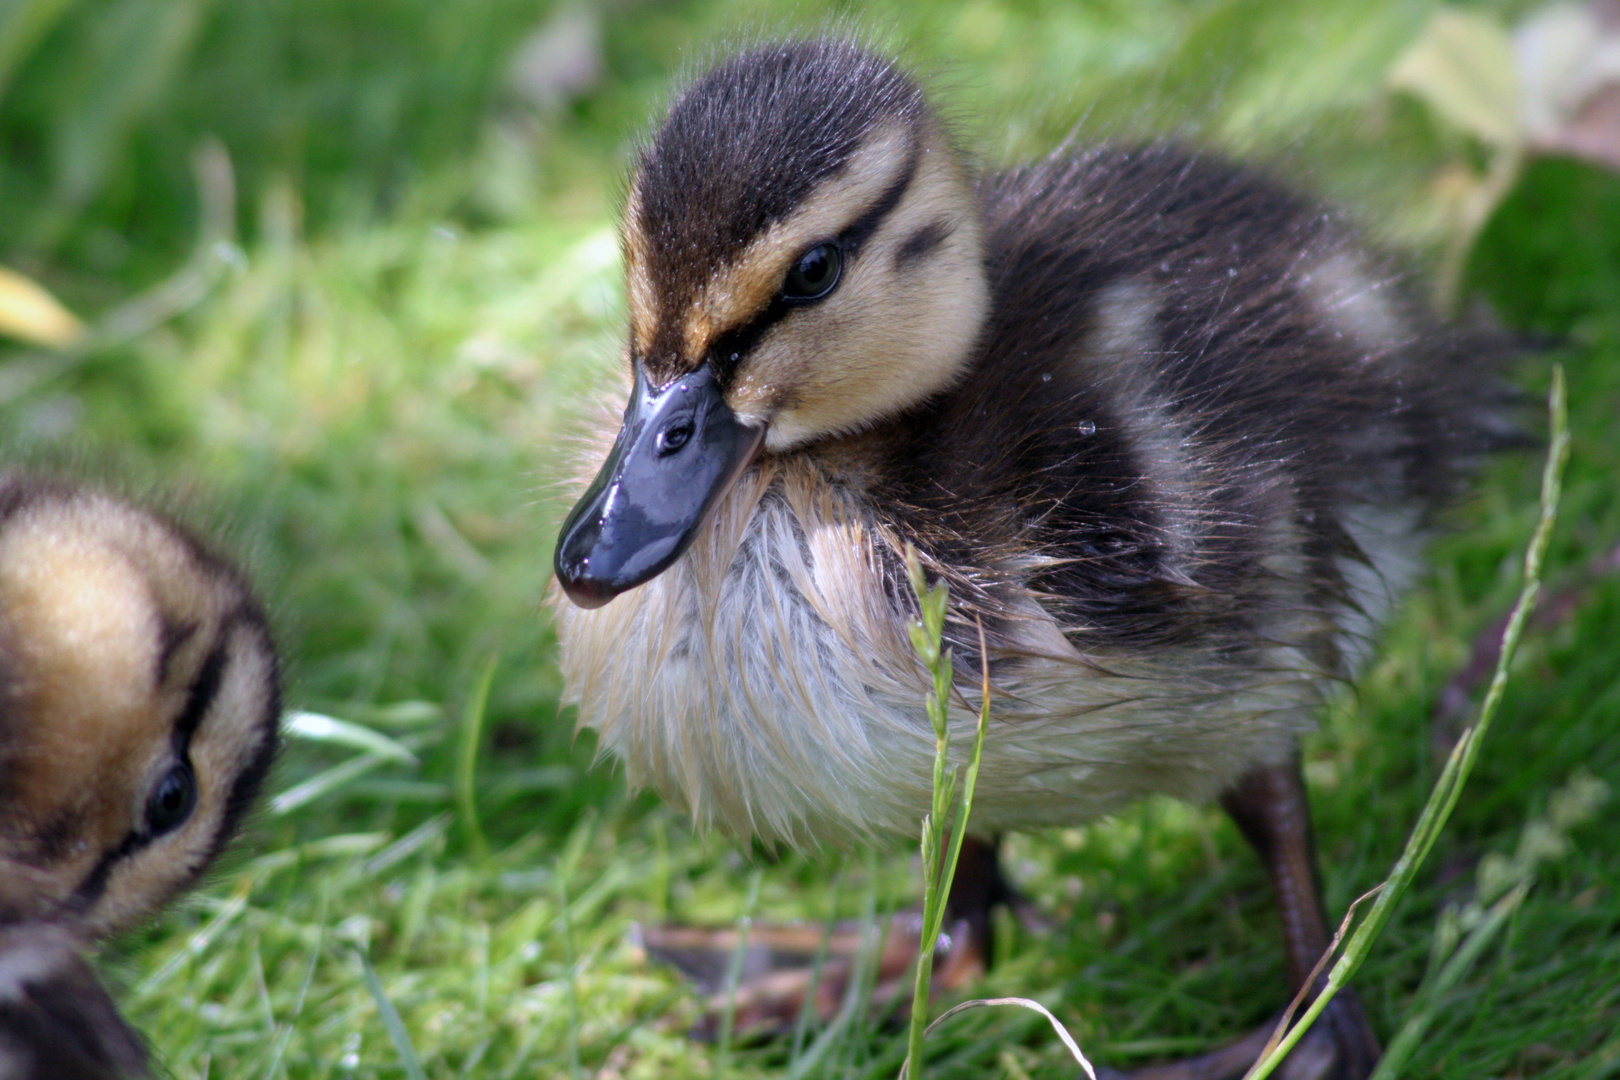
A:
[1339,1046]
[1270,809]
[778,981]
[778,975]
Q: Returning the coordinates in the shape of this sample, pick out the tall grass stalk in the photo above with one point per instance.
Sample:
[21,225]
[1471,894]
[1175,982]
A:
[1463,934]
[927,634]
[1449,787]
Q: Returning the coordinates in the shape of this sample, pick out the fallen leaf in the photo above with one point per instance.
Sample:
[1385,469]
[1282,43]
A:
[1463,67]
[29,313]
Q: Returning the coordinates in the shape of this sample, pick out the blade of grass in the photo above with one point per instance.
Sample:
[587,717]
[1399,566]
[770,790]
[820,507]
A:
[284,1036]
[858,990]
[1417,1024]
[1316,971]
[566,865]
[1448,788]
[1023,1003]
[418,838]
[472,731]
[317,727]
[391,1020]
[324,783]
[734,967]
[1503,883]
[197,944]
[818,964]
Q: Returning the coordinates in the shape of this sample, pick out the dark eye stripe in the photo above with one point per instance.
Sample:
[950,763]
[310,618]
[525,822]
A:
[204,689]
[202,693]
[730,347]
[861,229]
[95,882]
[921,242]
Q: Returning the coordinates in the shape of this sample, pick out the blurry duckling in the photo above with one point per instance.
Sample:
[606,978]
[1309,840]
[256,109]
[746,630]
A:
[139,701]
[1167,429]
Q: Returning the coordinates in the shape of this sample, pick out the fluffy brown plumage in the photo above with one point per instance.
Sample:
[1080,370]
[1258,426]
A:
[1171,432]
[139,700]
[1179,444]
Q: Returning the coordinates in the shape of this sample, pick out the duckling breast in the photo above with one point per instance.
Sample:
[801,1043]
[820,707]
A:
[766,684]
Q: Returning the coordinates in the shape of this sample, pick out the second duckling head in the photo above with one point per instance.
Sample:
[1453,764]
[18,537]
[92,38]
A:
[139,698]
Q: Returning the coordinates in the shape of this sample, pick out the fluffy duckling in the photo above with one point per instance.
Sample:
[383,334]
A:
[139,699]
[1169,432]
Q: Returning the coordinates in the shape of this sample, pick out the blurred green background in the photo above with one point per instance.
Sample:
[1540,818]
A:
[350,278]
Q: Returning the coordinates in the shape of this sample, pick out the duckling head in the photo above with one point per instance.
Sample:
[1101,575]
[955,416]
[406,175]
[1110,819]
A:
[804,257]
[138,706]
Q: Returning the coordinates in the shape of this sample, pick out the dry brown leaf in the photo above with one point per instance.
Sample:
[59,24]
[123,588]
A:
[29,313]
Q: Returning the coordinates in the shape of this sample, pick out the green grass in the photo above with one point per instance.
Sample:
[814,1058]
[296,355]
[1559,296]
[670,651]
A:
[372,395]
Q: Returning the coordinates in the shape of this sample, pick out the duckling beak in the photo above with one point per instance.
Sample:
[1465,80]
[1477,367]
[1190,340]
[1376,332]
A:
[680,449]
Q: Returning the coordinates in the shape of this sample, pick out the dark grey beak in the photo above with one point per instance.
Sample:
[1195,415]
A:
[680,449]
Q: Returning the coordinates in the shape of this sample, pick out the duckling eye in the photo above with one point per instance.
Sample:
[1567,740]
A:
[171,802]
[814,275]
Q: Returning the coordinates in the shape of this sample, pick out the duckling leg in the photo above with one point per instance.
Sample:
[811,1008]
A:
[1271,810]
[977,888]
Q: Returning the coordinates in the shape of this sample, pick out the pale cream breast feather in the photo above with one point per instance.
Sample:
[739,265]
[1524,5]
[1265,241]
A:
[766,683]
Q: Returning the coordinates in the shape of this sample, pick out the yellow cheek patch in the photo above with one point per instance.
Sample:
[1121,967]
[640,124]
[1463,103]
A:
[737,292]
[82,633]
[741,287]
[641,294]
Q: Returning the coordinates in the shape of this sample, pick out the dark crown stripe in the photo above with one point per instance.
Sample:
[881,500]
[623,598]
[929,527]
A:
[199,699]
[204,689]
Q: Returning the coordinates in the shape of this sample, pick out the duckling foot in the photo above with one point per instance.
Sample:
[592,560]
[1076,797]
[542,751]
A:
[778,977]
[1339,1046]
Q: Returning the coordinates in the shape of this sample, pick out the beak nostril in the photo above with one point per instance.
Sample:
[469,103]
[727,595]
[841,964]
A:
[672,438]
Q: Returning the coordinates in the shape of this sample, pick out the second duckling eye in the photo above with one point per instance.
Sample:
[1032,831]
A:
[815,274]
[172,801]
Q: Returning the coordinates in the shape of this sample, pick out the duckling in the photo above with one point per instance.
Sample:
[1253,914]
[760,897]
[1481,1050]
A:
[139,702]
[1172,435]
